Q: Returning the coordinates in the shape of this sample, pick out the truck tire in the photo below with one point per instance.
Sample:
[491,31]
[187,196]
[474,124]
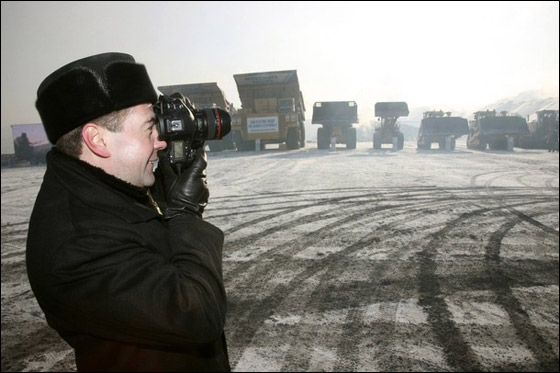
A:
[237,139]
[483,143]
[400,141]
[424,143]
[498,144]
[227,142]
[215,145]
[302,133]
[351,138]
[323,138]
[241,144]
[376,140]
[292,138]
[476,144]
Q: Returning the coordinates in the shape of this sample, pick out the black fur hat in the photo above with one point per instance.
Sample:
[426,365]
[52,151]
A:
[89,88]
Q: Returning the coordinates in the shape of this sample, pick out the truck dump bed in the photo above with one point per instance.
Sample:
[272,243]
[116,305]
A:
[445,126]
[335,112]
[202,95]
[262,92]
[272,110]
[391,109]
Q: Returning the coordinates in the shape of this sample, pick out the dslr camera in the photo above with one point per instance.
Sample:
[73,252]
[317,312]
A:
[185,129]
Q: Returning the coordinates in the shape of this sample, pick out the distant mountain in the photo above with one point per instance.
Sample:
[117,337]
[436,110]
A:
[525,104]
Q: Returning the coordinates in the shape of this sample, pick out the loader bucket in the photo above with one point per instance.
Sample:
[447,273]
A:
[506,125]
[335,112]
[445,126]
[391,109]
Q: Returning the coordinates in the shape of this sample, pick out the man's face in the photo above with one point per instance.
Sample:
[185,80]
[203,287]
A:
[134,148]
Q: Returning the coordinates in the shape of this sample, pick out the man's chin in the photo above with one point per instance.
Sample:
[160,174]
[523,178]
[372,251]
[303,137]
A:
[149,181]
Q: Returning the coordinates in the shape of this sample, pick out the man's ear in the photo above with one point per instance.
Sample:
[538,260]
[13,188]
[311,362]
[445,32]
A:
[93,136]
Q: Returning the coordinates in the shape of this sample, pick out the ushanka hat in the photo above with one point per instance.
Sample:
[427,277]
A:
[89,88]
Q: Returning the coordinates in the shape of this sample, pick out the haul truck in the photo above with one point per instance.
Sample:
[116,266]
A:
[387,131]
[444,130]
[337,118]
[495,131]
[203,96]
[272,110]
[545,125]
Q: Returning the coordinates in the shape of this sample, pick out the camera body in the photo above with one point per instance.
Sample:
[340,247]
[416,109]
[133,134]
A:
[185,129]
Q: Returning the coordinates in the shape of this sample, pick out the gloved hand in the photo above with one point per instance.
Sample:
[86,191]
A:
[188,191]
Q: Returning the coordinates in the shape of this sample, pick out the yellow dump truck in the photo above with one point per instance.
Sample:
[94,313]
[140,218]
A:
[203,96]
[272,110]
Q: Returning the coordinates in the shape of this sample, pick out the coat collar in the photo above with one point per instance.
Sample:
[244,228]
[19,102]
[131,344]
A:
[95,187]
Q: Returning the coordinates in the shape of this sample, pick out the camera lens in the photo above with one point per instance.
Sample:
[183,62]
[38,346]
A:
[218,123]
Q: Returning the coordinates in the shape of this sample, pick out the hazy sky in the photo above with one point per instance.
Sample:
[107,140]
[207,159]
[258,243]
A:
[461,55]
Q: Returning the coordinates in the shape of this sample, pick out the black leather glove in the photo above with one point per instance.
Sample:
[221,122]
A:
[185,192]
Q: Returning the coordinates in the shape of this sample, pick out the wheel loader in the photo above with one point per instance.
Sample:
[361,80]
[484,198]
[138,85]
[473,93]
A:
[441,128]
[387,130]
[495,132]
[545,125]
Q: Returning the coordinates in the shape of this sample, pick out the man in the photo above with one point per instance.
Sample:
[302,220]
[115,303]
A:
[23,148]
[129,287]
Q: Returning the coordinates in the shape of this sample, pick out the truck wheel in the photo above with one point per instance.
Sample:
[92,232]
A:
[483,143]
[424,144]
[241,144]
[323,138]
[292,140]
[215,145]
[302,137]
[376,141]
[400,141]
[498,144]
[227,142]
[351,138]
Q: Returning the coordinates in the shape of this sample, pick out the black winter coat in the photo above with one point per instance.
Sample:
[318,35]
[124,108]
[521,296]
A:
[127,290]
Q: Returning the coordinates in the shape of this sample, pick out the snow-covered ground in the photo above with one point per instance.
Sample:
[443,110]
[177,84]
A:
[355,260]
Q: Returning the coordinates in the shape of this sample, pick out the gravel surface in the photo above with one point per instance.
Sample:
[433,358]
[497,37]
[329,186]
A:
[361,260]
